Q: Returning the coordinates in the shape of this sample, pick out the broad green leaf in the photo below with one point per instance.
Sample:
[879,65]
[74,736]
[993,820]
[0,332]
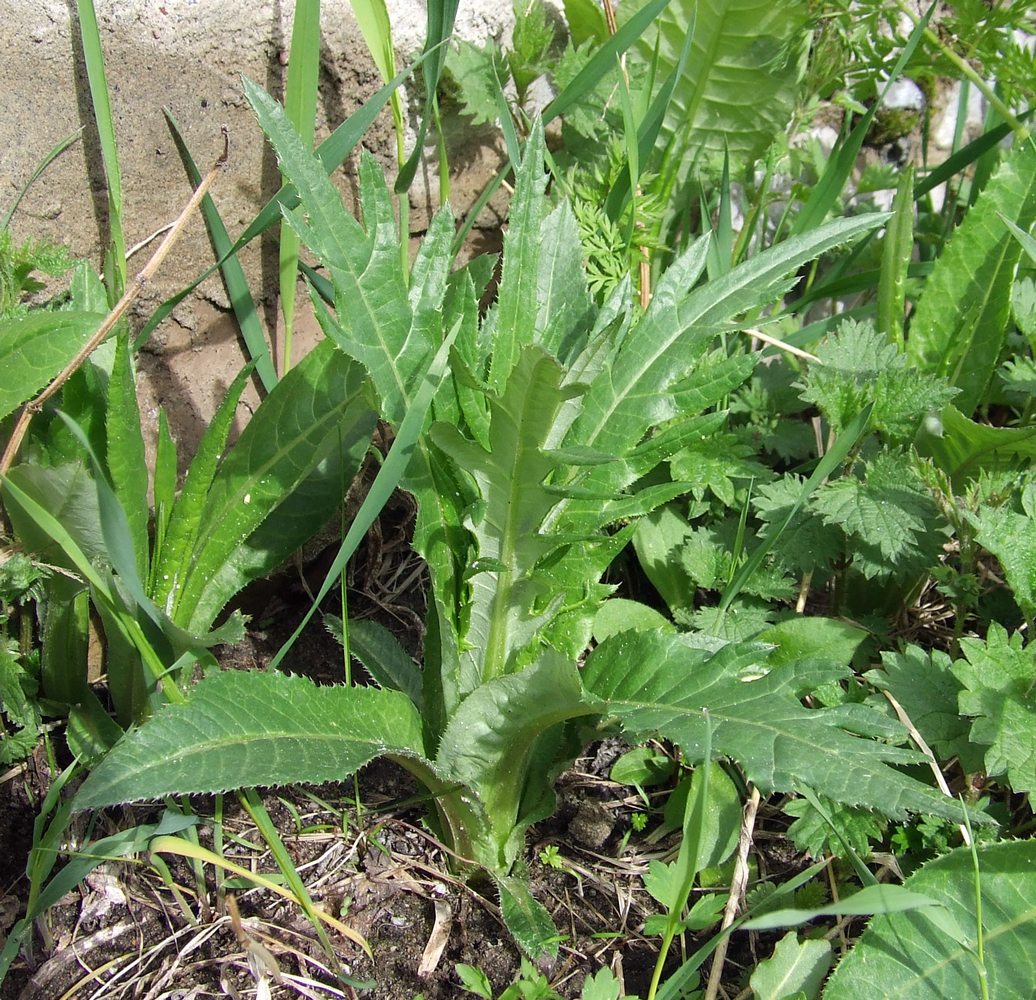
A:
[998,678]
[906,955]
[185,517]
[739,85]
[620,614]
[69,494]
[633,393]
[254,729]
[794,967]
[803,638]
[1011,537]
[295,520]
[35,348]
[513,506]
[659,685]
[314,407]
[491,742]
[962,317]
[962,448]
[126,463]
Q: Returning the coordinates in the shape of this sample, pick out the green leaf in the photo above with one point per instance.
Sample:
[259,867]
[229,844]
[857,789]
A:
[507,527]
[659,685]
[254,729]
[859,366]
[620,614]
[922,682]
[999,678]
[907,955]
[382,656]
[962,317]
[633,393]
[491,741]
[314,407]
[739,84]
[889,514]
[1011,537]
[962,448]
[126,462]
[35,348]
[794,967]
[526,918]
[184,520]
[877,898]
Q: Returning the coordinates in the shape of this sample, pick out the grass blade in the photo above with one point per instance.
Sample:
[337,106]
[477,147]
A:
[93,55]
[300,105]
[233,274]
[34,176]
[895,261]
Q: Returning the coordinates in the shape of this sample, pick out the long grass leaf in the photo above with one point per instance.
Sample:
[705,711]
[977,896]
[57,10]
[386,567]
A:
[34,176]
[233,274]
[442,14]
[300,105]
[896,252]
[93,55]
[843,159]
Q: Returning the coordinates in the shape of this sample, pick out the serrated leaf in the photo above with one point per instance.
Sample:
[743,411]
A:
[860,366]
[1011,537]
[999,678]
[738,87]
[794,967]
[490,743]
[526,918]
[34,348]
[658,685]
[511,324]
[254,729]
[961,319]
[923,683]
[316,405]
[906,955]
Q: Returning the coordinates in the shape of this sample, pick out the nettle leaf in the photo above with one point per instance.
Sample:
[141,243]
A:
[811,832]
[478,72]
[860,366]
[661,685]
[1000,680]
[922,681]
[888,513]
[1011,537]
[807,543]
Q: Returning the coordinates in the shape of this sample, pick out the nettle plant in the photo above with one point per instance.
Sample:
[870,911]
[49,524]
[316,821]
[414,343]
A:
[530,478]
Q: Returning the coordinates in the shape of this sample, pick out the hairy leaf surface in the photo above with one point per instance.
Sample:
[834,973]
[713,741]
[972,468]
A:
[657,684]
[245,729]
